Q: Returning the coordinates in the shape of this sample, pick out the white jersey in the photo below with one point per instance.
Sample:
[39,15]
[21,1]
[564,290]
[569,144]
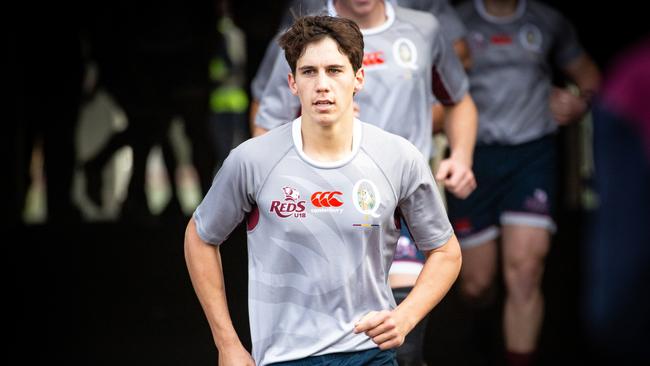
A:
[406,60]
[321,236]
[450,23]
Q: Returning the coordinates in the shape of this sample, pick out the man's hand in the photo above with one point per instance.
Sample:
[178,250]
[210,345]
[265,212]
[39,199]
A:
[235,356]
[566,106]
[457,176]
[384,328]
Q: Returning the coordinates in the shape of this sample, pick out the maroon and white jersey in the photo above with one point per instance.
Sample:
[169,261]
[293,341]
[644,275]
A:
[321,236]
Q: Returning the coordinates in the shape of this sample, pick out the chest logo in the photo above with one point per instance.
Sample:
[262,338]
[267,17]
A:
[501,39]
[530,37]
[327,202]
[477,41]
[326,199]
[371,59]
[292,205]
[366,197]
[405,53]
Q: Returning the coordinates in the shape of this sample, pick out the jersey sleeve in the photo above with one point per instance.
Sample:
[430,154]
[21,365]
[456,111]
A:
[228,200]
[566,46]
[264,70]
[451,25]
[277,105]
[449,80]
[421,206]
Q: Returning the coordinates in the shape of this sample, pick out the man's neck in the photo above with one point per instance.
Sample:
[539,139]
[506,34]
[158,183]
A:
[501,8]
[327,143]
[374,18]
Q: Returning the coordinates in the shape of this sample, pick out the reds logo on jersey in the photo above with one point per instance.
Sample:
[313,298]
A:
[290,194]
[290,206]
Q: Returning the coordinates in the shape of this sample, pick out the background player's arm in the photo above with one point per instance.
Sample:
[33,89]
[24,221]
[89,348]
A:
[258,131]
[255,105]
[461,124]
[389,328]
[568,107]
[461,49]
[204,264]
[277,105]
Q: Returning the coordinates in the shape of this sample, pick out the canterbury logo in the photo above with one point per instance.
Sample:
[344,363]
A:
[373,58]
[326,199]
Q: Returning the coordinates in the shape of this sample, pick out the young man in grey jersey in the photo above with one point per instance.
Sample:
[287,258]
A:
[409,63]
[322,197]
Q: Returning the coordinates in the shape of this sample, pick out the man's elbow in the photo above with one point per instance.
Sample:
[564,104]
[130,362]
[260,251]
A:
[192,241]
[454,252]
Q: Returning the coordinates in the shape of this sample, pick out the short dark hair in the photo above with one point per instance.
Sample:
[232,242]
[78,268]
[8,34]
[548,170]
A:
[310,29]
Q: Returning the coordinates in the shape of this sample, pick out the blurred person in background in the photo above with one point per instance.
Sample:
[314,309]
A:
[153,58]
[616,300]
[513,44]
[47,64]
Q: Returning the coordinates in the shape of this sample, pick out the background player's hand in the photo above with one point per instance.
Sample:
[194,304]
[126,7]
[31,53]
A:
[384,328]
[235,356]
[566,106]
[457,176]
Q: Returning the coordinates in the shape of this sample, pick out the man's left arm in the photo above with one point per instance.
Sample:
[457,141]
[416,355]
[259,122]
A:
[388,328]
[461,125]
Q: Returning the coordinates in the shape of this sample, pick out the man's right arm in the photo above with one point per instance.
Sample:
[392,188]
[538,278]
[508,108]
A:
[204,265]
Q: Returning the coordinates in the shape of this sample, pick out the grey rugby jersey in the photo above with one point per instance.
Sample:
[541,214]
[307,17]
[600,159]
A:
[450,24]
[510,78]
[451,27]
[406,60]
[321,236]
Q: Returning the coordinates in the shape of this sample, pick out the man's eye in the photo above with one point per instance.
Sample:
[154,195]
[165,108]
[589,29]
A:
[335,71]
[307,72]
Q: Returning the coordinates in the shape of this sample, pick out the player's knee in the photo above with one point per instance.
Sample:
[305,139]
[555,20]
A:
[523,280]
[475,288]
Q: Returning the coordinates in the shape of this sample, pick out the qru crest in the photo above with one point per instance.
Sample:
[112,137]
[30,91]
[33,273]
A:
[530,37]
[366,197]
[405,53]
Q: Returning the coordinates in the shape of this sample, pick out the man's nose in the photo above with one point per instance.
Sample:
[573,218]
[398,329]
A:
[322,82]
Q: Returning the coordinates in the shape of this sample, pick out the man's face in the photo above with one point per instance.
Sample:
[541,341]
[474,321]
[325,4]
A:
[325,83]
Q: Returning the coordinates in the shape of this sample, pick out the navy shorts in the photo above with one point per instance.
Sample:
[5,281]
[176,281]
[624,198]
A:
[515,186]
[370,357]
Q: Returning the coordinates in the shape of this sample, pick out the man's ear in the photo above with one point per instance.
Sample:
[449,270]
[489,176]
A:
[359,80]
[292,84]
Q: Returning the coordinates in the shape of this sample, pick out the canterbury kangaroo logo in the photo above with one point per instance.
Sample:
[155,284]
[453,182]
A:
[326,199]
